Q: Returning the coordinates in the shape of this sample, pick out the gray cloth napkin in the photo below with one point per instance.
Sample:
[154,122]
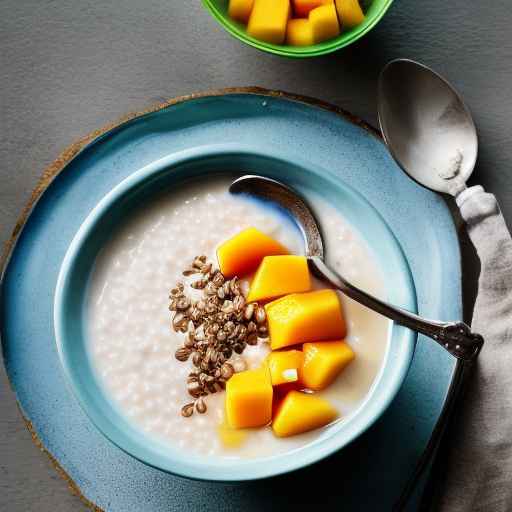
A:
[479,467]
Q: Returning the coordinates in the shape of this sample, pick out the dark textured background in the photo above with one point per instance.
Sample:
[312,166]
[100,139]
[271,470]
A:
[67,68]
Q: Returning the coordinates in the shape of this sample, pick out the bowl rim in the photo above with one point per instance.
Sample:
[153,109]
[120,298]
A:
[341,41]
[283,463]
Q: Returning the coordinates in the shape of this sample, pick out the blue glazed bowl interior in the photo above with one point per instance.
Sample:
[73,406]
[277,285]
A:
[167,174]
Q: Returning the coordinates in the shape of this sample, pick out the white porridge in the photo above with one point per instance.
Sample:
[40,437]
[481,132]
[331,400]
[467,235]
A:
[132,345]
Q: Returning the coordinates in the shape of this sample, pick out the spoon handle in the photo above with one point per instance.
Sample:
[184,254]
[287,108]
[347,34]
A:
[455,337]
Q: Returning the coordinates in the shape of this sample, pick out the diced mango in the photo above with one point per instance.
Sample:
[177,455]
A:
[349,12]
[285,367]
[301,8]
[243,253]
[240,10]
[249,399]
[268,20]
[323,362]
[324,23]
[302,412]
[303,317]
[279,275]
[299,33]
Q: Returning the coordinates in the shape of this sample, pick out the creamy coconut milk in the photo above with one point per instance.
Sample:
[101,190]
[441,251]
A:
[132,345]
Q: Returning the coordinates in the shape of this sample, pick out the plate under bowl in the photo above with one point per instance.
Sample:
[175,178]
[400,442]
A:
[168,173]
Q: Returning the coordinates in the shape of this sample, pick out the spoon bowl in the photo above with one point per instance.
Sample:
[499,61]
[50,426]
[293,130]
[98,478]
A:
[427,126]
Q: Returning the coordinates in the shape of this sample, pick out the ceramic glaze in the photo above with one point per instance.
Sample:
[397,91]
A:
[129,336]
[51,386]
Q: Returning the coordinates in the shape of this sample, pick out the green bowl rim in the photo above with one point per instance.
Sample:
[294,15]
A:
[324,48]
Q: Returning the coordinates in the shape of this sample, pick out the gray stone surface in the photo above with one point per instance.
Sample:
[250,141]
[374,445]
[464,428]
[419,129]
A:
[69,67]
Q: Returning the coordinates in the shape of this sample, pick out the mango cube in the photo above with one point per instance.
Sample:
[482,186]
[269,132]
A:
[299,33]
[249,399]
[324,22]
[349,12]
[302,412]
[303,317]
[279,275]
[240,10]
[268,20]
[323,362]
[243,253]
[301,8]
[285,367]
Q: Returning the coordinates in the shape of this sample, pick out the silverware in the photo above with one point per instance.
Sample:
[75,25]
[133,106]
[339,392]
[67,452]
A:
[430,133]
[427,127]
[455,337]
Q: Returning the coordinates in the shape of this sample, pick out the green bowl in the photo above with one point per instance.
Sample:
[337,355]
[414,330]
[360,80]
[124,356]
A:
[374,13]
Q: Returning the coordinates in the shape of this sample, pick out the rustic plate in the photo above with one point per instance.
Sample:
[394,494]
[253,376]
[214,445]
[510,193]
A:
[383,458]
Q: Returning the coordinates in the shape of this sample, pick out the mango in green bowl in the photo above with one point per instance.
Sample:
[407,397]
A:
[374,10]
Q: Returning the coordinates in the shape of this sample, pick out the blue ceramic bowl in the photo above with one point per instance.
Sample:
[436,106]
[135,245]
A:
[169,173]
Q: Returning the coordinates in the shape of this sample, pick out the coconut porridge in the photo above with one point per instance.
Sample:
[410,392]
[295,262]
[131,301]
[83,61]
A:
[134,349]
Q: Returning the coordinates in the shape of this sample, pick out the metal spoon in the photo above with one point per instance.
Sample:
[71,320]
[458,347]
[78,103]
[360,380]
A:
[430,133]
[427,127]
[455,337]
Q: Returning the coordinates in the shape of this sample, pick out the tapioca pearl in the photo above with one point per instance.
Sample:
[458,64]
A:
[112,356]
[148,272]
[149,405]
[165,373]
[180,254]
[148,386]
[132,362]
[106,371]
[354,340]
[133,411]
[201,422]
[131,378]
[148,370]
[219,415]
[207,245]
[158,387]
[206,433]
[199,446]
[102,321]
[119,378]
[183,371]
[168,430]
[121,394]
[156,423]
[145,348]
[100,349]
[134,381]
[156,348]
[172,411]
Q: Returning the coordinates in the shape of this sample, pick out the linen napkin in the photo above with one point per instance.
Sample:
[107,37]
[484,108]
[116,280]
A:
[478,474]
